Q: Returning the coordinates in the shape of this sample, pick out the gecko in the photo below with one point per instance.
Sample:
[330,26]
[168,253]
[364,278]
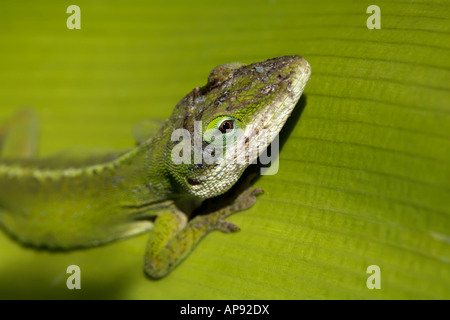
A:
[156,187]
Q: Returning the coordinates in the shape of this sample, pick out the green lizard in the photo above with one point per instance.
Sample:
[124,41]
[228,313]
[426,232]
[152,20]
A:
[62,204]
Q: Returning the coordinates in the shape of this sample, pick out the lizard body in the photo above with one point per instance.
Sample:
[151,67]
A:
[54,204]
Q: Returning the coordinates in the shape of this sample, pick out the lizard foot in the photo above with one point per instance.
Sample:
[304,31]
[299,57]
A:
[245,200]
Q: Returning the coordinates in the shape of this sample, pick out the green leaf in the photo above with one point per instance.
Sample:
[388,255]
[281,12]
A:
[364,173]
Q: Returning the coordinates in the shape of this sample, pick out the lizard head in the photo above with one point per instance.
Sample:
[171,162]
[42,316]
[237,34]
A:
[222,127]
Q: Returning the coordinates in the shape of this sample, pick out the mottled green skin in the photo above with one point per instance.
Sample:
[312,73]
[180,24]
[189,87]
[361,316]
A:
[82,203]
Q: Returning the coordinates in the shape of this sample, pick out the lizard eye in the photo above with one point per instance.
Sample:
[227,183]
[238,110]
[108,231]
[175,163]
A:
[226,125]
[222,126]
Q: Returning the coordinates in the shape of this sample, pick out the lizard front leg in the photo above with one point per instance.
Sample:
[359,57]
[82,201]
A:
[173,238]
[19,136]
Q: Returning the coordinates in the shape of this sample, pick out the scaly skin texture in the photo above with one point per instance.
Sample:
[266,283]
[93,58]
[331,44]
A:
[70,203]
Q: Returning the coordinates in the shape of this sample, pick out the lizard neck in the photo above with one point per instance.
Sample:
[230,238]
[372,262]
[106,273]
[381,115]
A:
[142,174]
